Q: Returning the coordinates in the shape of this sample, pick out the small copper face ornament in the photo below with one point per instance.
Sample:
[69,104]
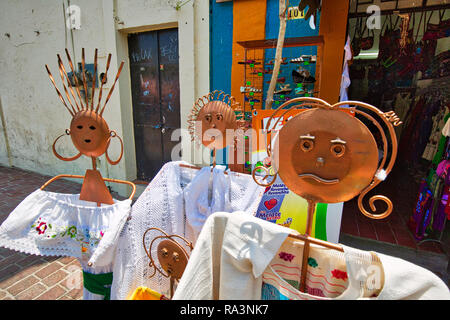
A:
[215,113]
[171,255]
[327,155]
[172,258]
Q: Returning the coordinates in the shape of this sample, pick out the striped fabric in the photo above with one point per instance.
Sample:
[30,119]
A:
[326,274]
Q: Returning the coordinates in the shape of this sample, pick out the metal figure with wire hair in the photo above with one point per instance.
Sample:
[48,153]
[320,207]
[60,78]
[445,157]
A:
[88,129]
[211,116]
[172,257]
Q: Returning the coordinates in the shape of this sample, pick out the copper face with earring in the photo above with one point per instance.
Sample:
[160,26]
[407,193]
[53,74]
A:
[325,154]
[89,131]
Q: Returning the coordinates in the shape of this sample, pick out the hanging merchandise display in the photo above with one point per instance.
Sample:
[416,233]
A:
[84,226]
[408,75]
[299,73]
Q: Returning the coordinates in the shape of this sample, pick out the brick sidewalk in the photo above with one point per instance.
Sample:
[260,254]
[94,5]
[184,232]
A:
[31,277]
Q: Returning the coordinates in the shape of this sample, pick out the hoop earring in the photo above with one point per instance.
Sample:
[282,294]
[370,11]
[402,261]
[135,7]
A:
[113,134]
[58,155]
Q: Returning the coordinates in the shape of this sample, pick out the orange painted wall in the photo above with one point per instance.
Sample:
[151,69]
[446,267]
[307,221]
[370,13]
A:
[249,23]
[333,26]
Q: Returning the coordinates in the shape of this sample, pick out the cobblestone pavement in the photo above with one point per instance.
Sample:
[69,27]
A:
[31,277]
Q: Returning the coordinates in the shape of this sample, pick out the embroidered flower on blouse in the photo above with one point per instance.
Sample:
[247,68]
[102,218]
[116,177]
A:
[339,274]
[312,262]
[41,228]
[72,231]
[286,256]
[88,239]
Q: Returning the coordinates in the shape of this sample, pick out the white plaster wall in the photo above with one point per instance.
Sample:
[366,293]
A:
[33,112]
[34,31]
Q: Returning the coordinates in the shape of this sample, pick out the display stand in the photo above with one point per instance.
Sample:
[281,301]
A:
[255,69]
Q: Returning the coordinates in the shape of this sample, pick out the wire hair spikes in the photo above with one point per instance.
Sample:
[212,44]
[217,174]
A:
[75,102]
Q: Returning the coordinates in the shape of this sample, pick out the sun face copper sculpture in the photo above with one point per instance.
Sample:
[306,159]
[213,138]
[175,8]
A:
[211,116]
[326,155]
[88,129]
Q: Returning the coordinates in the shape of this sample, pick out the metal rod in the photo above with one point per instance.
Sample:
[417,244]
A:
[75,78]
[64,85]
[5,134]
[94,163]
[68,82]
[84,79]
[94,80]
[103,80]
[112,88]
[133,186]
[57,90]
[309,221]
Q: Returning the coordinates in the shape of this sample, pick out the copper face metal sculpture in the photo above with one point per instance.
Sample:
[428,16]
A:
[211,116]
[326,155]
[88,129]
[172,257]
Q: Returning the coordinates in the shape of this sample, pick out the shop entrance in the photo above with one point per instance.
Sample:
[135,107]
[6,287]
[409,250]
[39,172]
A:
[154,71]
[402,65]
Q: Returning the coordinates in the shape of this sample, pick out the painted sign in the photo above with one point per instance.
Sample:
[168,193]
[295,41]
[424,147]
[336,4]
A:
[294,13]
[280,205]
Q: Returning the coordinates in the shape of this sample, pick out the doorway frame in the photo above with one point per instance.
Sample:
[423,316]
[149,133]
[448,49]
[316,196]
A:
[194,67]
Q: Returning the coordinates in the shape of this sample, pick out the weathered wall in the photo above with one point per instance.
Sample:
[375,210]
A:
[34,31]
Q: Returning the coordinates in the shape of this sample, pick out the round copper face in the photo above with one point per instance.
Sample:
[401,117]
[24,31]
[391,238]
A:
[216,118]
[172,258]
[89,133]
[326,155]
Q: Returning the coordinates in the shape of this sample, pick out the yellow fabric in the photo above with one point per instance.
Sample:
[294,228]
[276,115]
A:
[144,293]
